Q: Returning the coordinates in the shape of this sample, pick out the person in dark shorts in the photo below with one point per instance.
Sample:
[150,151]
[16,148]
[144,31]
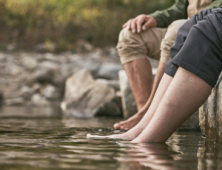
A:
[190,75]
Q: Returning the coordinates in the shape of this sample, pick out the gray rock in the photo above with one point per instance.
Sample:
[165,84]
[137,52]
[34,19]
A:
[48,65]
[29,62]
[43,75]
[15,101]
[85,97]
[38,100]
[36,87]
[51,57]
[128,100]
[109,71]
[91,65]
[50,92]
[192,123]
[26,92]
[3,57]
[112,83]
[15,70]
[210,114]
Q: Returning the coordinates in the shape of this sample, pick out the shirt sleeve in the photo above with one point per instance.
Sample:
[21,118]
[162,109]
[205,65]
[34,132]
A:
[214,4]
[165,17]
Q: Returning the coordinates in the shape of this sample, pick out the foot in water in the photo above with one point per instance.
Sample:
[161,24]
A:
[130,135]
[129,123]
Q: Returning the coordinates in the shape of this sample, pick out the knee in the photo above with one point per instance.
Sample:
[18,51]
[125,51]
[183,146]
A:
[171,33]
[130,46]
[169,39]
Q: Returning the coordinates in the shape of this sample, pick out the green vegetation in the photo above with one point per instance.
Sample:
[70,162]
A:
[30,22]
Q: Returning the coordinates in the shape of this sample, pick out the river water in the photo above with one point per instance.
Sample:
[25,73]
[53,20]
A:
[40,138]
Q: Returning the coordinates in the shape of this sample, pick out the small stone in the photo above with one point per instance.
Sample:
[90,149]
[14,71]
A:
[36,87]
[43,75]
[26,92]
[38,100]
[29,62]
[50,92]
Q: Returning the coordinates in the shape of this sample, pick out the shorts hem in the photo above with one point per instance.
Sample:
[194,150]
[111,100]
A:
[189,67]
[129,59]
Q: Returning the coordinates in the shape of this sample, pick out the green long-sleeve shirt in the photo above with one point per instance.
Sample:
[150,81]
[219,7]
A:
[177,11]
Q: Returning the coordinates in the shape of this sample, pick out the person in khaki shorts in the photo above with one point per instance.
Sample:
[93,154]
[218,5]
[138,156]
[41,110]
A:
[152,35]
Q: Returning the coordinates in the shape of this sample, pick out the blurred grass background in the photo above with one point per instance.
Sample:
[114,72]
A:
[26,23]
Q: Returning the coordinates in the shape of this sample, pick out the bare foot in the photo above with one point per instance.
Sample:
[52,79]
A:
[130,135]
[129,123]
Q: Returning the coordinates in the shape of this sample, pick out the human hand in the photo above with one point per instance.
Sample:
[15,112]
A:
[140,23]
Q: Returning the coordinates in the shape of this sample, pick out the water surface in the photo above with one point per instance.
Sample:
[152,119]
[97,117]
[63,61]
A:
[40,139]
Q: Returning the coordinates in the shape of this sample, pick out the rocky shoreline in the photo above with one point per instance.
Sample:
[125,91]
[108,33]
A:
[38,79]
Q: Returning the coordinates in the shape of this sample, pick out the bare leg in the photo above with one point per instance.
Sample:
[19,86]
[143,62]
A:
[140,78]
[136,130]
[183,97]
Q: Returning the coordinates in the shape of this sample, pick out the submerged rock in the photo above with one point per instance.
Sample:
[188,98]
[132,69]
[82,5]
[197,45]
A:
[86,97]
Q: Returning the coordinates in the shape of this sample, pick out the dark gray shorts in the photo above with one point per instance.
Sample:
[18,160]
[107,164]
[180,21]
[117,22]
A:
[198,46]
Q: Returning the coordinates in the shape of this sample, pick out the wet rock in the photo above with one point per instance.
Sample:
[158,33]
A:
[39,100]
[50,92]
[109,71]
[85,97]
[15,101]
[210,114]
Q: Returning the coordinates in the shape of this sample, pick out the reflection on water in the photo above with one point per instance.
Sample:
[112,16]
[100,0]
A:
[43,139]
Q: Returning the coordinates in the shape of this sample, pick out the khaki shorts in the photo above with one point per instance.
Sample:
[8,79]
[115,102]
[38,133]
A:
[154,42]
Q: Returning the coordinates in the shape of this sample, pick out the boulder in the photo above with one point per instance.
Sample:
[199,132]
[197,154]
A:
[112,83]
[210,114]
[86,97]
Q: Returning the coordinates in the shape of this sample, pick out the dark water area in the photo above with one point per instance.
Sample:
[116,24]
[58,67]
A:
[41,138]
